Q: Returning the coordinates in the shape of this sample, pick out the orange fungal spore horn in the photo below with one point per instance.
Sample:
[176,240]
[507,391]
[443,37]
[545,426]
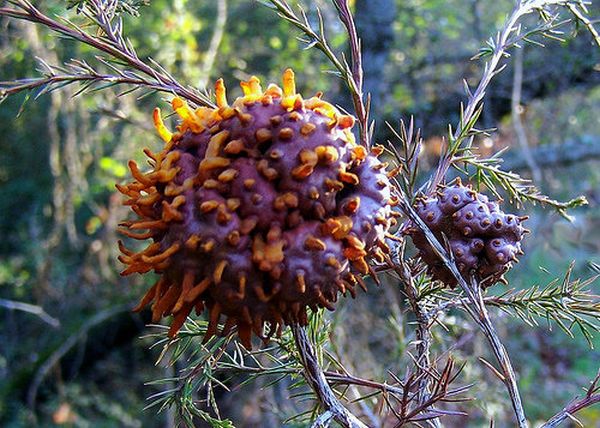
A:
[162,130]
[186,114]
[220,94]
[289,82]
[252,87]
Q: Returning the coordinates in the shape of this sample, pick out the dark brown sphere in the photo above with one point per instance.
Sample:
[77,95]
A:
[484,240]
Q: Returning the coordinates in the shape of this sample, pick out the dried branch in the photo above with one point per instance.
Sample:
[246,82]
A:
[316,379]
[32,309]
[422,333]
[407,388]
[423,410]
[592,397]
[413,404]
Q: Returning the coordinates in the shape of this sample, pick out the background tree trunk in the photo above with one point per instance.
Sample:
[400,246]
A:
[374,19]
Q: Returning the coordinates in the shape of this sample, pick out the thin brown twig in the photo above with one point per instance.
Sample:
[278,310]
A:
[423,332]
[337,378]
[361,109]
[591,397]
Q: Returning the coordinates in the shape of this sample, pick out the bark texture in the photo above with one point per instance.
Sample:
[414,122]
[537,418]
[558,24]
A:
[374,19]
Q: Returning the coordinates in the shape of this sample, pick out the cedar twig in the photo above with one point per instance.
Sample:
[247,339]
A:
[351,74]
[569,303]
[361,109]
[489,172]
[51,81]
[213,365]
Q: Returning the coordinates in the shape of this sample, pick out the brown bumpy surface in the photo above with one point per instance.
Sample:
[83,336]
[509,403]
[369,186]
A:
[484,240]
[257,211]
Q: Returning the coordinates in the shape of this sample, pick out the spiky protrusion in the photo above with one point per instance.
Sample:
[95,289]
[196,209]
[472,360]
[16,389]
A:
[257,210]
[484,240]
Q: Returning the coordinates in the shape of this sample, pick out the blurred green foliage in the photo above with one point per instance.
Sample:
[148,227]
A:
[60,157]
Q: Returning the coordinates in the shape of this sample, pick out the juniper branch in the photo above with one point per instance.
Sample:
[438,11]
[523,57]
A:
[408,157]
[519,189]
[567,302]
[112,43]
[214,363]
[130,7]
[356,78]
[316,38]
[205,360]
[52,82]
[510,36]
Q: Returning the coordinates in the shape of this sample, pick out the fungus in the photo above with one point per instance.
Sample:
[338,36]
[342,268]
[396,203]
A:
[484,240]
[256,211]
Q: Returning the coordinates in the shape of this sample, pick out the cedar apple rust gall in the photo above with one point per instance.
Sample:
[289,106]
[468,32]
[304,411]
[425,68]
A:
[256,211]
[484,240]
